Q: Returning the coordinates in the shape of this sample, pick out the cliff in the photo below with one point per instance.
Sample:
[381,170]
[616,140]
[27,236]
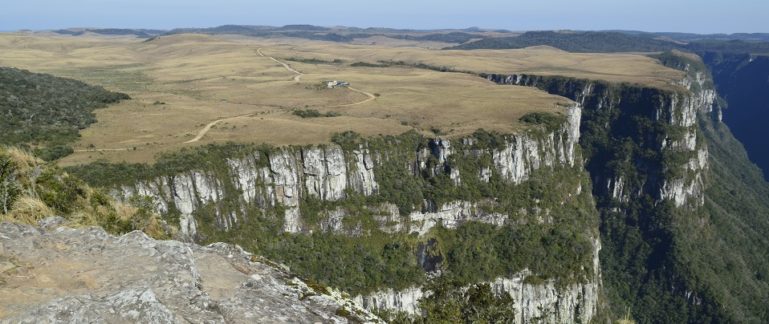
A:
[661,122]
[410,190]
[648,162]
[61,274]
[383,217]
[287,176]
[679,200]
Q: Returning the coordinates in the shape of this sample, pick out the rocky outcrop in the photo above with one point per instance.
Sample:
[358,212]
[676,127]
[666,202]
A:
[66,275]
[406,300]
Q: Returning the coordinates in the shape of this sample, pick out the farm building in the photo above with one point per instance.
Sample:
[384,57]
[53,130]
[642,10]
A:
[337,83]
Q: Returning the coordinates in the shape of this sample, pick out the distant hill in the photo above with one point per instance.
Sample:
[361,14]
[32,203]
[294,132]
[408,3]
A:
[614,41]
[47,112]
[337,34]
[298,31]
[690,37]
[730,47]
[451,37]
[141,33]
[476,38]
[575,42]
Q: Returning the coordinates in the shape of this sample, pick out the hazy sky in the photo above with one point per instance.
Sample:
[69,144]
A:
[702,16]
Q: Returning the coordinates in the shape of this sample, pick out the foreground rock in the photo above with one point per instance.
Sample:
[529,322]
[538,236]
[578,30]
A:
[60,274]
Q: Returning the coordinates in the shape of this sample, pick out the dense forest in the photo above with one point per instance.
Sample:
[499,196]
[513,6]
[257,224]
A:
[46,112]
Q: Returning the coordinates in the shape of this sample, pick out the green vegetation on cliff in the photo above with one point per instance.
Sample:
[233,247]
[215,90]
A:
[31,190]
[661,262]
[724,245]
[476,304]
[550,230]
[46,112]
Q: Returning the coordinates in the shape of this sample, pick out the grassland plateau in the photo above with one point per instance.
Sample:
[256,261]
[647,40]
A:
[191,89]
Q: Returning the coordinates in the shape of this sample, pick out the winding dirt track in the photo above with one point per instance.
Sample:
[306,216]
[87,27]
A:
[297,77]
[370,96]
[103,150]
[202,133]
[208,126]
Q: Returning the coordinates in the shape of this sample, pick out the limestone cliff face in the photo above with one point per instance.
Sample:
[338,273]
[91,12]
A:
[673,113]
[283,177]
[646,157]
[576,303]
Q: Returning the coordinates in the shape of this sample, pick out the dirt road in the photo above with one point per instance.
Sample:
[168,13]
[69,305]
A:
[208,126]
[297,76]
[370,96]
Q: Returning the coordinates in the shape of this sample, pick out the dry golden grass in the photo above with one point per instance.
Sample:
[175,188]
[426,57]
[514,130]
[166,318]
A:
[23,160]
[542,60]
[180,84]
[27,210]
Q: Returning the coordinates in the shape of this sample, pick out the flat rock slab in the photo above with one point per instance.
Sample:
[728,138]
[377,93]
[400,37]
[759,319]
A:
[86,275]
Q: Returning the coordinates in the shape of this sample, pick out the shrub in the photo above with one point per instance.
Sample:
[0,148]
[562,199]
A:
[548,120]
[312,113]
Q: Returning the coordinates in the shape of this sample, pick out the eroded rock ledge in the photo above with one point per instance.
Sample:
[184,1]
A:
[59,274]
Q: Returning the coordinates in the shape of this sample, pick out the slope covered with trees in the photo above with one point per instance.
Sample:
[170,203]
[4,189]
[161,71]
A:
[46,112]
[698,265]
[743,81]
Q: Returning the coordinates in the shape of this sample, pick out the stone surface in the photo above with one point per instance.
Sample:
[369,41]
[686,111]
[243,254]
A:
[65,275]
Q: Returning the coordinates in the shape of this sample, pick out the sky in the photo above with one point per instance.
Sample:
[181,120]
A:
[702,16]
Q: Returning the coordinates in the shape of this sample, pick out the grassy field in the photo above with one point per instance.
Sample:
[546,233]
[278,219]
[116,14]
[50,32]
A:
[184,84]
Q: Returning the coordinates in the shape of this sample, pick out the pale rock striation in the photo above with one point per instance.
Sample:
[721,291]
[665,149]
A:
[326,173]
[524,153]
[449,215]
[406,300]
[361,177]
[688,189]
[283,177]
[65,275]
